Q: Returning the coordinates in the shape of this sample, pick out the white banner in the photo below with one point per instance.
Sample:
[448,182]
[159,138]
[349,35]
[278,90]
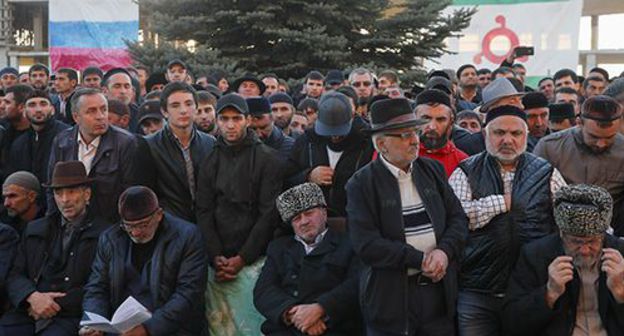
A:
[550,26]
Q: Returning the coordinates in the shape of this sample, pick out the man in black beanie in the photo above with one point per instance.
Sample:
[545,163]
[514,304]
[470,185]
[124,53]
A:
[282,110]
[536,108]
[155,257]
[262,124]
[561,117]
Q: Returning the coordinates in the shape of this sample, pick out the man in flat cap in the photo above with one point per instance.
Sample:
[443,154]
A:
[262,123]
[21,192]
[592,152]
[507,194]
[330,152]
[155,257]
[53,261]
[309,281]
[236,191]
[107,152]
[408,228]
[434,106]
[571,282]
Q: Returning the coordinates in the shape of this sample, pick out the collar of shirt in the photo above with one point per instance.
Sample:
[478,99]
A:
[87,146]
[396,171]
[75,223]
[310,247]
[177,140]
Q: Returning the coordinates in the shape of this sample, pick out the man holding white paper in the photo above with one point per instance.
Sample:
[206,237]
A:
[408,228]
[154,257]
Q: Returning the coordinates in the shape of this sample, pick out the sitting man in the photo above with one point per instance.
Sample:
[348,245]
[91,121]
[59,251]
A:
[309,281]
[571,283]
[158,259]
[53,261]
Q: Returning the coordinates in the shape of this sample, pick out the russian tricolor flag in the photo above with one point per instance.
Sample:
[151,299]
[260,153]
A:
[91,33]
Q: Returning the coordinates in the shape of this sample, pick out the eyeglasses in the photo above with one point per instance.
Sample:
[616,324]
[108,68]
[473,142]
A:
[358,84]
[406,135]
[141,225]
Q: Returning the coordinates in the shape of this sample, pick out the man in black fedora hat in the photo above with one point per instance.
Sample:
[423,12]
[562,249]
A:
[408,228]
[330,152]
[155,257]
[249,86]
[53,260]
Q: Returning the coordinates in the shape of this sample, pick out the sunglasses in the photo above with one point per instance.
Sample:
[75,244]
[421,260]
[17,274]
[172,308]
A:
[359,84]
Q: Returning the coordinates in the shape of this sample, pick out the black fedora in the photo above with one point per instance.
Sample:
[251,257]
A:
[248,78]
[68,174]
[389,114]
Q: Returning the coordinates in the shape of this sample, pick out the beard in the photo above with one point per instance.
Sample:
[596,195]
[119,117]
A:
[504,158]
[431,139]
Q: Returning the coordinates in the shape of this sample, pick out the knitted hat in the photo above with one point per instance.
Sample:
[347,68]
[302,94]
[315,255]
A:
[280,97]
[299,199]
[534,100]
[23,179]
[505,110]
[433,96]
[136,203]
[258,105]
[583,210]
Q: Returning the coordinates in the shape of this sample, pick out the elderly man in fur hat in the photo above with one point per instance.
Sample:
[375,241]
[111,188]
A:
[309,281]
[571,283]
[156,258]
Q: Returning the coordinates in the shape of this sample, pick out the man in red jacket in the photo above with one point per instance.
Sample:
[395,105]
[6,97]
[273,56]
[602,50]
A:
[435,107]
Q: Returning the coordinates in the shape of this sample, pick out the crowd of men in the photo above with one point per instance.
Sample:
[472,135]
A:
[347,205]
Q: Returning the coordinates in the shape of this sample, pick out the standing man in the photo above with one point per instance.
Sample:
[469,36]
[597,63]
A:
[14,102]
[314,85]
[155,257]
[571,283]
[205,117]
[237,186]
[271,82]
[31,150]
[92,77]
[177,71]
[537,111]
[594,85]
[569,96]
[249,86]
[434,107]
[468,84]
[262,124]
[595,143]
[107,152]
[117,85]
[53,262]
[65,83]
[507,194]
[484,77]
[8,77]
[177,151]
[282,110]
[38,76]
[408,228]
[329,153]
[566,78]
[546,86]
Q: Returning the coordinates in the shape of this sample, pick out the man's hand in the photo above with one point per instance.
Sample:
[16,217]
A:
[613,266]
[136,331]
[222,273]
[235,265]
[86,331]
[317,329]
[512,56]
[434,265]
[307,315]
[560,272]
[321,175]
[287,316]
[42,305]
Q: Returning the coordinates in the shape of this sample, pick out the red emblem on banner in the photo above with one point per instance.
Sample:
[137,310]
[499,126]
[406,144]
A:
[486,44]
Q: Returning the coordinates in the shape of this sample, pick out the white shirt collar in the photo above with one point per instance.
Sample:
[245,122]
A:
[95,143]
[310,247]
[396,171]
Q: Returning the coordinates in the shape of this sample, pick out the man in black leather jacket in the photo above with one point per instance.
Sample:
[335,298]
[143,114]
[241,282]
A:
[177,151]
